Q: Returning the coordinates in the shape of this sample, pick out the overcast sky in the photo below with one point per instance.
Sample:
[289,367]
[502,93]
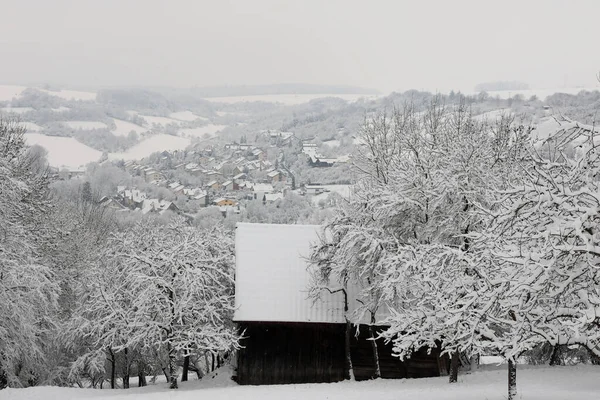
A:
[387,45]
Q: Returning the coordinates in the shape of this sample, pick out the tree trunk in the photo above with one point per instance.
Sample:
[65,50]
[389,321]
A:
[512,379]
[474,362]
[374,347]
[213,361]
[172,369]
[126,369]
[454,368]
[186,367]
[555,357]
[207,362]
[112,369]
[141,373]
[199,372]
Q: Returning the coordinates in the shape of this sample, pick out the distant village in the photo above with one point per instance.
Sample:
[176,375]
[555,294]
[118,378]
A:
[226,176]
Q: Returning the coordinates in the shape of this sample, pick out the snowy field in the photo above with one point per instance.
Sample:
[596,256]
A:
[16,110]
[186,116]
[162,121]
[152,144]
[30,126]
[489,383]
[85,125]
[287,99]
[8,92]
[202,130]
[64,152]
[332,143]
[124,127]
[72,94]
[342,190]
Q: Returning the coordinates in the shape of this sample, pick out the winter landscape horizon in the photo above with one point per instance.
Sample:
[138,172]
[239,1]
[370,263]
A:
[272,199]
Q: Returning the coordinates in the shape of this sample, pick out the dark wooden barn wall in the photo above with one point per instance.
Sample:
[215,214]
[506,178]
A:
[419,365]
[276,353]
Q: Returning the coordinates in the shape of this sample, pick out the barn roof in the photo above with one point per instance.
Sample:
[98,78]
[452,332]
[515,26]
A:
[273,277]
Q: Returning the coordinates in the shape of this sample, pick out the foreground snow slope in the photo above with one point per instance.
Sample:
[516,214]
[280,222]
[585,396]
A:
[534,383]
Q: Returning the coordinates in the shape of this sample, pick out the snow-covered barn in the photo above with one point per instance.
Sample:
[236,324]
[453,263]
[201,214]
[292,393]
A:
[288,336]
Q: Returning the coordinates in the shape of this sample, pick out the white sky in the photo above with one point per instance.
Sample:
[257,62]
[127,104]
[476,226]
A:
[388,45]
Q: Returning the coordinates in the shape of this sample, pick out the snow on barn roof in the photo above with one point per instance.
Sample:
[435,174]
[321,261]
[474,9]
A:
[273,277]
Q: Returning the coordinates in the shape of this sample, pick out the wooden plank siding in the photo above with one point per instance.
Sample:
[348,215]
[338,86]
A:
[279,353]
[419,365]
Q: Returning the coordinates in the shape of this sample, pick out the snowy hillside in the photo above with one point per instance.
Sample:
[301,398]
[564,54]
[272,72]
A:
[64,152]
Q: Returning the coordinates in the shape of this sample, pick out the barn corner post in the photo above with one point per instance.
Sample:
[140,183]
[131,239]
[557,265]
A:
[512,379]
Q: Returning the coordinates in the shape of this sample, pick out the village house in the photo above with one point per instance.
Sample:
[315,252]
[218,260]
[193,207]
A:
[272,197]
[177,188]
[222,202]
[213,185]
[275,176]
[292,338]
[229,186]
[260,189]
[132,198]
[158,206]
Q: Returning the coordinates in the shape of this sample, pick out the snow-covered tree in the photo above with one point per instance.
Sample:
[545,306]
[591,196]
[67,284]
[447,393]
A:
[405,237]
[162,288]
[28,293]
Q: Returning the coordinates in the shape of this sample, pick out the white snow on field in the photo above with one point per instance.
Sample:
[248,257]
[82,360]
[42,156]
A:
[162,121]
[533,383]
[124,127]
[151,145]
[60,109]
[287,99]
[540,93]
[31,127]
[332,143]
[492,116]
[71,94]
[8,92]
[187,116]
[202,130]
[16,110]
[85,125]
[342,190]
[64,152]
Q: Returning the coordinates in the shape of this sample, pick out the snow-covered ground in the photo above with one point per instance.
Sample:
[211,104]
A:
[16,110]
[287,99]
[31,127]
[8,92]
[151,145]
[342,190]
[124,127]
[187,116]
[202,130]
[163,121]
[71,94]
[332,143]
[64,152]
[85,125]
[533,383]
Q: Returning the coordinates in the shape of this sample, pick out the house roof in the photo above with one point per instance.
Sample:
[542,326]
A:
[273,277]
[273,174]
[227,183]
[270,197]
[263,187]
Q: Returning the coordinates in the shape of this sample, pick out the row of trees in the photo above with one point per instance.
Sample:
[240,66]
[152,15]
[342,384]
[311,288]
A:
[83,297]
[471,237]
